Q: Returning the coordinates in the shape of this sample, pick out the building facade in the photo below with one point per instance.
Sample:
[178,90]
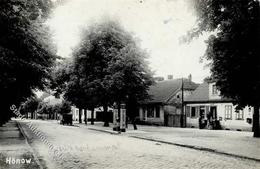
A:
[75,114]
[165,105]
[206,108]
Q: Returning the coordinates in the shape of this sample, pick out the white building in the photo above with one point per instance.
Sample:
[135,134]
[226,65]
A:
[206,106]
[75,113]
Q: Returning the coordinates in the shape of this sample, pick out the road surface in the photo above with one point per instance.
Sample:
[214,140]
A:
[67,147]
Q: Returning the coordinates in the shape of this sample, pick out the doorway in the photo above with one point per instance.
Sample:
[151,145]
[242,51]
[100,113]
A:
[213,112]
[213,123]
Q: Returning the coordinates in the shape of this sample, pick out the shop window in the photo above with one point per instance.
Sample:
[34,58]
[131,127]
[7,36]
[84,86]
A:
[228,112]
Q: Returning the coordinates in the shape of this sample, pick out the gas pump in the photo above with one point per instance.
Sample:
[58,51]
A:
[122,117]
[116,126]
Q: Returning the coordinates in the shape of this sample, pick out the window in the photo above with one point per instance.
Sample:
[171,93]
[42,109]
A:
[214,90]
[240,115]
[188,111]
[144,110]
[157,111]
[193,112]
[228,112]
[153,111]
[150,112]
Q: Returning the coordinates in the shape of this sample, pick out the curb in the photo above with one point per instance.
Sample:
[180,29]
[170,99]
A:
[105,131]
[198,148]
[26,141]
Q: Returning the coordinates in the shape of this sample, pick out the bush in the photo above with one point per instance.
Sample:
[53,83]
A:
[64,108]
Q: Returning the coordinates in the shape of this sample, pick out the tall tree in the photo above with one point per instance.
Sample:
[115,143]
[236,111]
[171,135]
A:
[234,49]
[26,51]
[66,82]
[129,78]
[108,67]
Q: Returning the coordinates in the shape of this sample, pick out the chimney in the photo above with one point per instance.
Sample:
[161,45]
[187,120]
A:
[170,77]
[190,78]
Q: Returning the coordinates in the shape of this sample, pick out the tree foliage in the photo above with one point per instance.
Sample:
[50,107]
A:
[31,105]
[61,108]
[26,49]
[108,66]
[234,49]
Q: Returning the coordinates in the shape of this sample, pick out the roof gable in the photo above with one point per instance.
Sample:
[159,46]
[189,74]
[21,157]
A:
[164,90]
[201,94]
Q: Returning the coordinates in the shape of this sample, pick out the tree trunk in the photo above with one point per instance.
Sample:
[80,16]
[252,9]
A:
[92,116]
[256,126]
[134,124]
[106,123]
[80,120]
[132,111]
[85,116]
[126,122]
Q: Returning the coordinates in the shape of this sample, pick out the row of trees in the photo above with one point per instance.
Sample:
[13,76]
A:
[26,51]
[34,106]
[108,66]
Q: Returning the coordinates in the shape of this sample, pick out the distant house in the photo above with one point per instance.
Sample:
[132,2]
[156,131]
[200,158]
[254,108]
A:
[98,113]
[165,105]
[205,108]
[49,99]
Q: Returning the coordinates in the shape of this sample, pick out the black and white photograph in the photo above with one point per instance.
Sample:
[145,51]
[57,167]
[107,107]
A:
[130,84]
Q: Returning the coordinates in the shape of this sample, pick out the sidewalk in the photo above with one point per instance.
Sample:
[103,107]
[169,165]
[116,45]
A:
[14,150]
[232,143]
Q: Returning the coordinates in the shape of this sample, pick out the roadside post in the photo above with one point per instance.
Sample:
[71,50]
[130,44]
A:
[116,126]
[122,117]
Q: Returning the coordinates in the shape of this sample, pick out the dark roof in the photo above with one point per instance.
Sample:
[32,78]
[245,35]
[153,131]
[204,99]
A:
[201,94]
[164,90]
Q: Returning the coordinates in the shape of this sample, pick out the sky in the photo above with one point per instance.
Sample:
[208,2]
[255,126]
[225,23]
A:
[158,24]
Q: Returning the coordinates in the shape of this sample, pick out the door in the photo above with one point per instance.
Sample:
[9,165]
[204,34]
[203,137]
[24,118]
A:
[174,120]
[202,117]
[213,112]
[212,118]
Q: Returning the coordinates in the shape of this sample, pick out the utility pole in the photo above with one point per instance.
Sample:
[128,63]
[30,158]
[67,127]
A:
[182,105]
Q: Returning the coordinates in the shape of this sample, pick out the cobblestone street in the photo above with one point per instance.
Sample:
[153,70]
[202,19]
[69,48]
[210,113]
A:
[84,148]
